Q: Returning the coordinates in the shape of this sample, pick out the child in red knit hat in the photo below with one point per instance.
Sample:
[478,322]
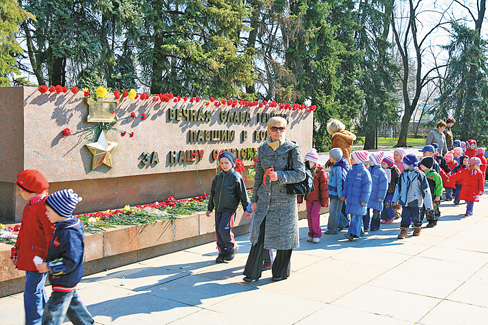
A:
[33,240]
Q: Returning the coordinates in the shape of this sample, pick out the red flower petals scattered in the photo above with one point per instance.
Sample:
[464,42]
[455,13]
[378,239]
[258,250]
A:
[131,134]
[143,116]
[66,132]
[43,89]
[122,133]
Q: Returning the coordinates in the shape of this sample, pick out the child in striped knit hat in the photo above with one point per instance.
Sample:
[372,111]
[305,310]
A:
[357,189]
[378,191]
[393,174]
[64,261]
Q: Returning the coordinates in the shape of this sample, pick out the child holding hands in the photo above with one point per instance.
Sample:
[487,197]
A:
[33,240]
[337,177]
[228,189]
[357,189]
[472,184]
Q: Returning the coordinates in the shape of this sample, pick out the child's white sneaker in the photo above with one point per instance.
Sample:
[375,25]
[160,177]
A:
[316,240]
[309,238]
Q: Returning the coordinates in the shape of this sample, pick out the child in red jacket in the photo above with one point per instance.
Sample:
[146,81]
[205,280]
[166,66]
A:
[481,155]
[318,198]
[33,240]
[472,184]
[449,185]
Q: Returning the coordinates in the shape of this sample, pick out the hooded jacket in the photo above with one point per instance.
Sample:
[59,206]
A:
[412,190]
[472,184]
[337,177]
[320,192]
[357,189]
[379,187]
[228,189]
[65,256]
[435,182]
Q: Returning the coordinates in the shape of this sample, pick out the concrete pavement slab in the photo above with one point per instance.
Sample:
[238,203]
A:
[454,313]
[386,302]
[266,307]
[472,293]
[210,317]
[369,256]
[337,315]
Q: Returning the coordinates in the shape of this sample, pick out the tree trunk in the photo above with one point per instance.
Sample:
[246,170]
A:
[33,58]
[251,42]
[402,139]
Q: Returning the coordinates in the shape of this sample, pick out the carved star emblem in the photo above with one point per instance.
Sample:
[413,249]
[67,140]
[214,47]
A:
[102,151]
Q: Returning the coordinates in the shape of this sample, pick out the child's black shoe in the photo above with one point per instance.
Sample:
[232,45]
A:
[229,256]
[220,258]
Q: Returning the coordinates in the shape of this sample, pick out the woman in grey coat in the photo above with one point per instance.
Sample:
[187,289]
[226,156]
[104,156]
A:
[275,223]
[437,136]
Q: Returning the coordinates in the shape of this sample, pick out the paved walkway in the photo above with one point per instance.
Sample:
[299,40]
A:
[440,277]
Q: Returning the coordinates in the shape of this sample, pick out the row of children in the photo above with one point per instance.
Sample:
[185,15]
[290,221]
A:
[400,181]
[50,241]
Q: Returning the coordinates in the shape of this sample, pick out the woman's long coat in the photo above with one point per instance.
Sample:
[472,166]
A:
[273,203]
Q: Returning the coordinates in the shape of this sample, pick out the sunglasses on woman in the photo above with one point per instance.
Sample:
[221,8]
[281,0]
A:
[278,128]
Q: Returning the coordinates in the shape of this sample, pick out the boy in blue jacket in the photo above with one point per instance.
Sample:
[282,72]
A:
[64,261]
[378,190]
[411,192]
[337,177]
[357,189]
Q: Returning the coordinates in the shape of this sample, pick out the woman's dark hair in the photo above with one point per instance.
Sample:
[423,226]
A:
[451,120]
[307,164]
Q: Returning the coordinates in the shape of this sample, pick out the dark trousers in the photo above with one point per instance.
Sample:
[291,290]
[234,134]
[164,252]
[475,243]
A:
[255,259]
[435,216]
[224,223]
[409,215]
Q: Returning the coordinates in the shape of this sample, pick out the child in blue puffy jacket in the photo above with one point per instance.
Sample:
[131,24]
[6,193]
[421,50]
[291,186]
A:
[378,190]
[356,194]
[337,177]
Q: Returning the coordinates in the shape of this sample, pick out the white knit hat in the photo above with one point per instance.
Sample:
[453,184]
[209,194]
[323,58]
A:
[312,155]
[360,156]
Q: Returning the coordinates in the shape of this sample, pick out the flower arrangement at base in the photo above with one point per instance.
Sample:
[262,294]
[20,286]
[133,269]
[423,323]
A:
[7,234]
[170,209]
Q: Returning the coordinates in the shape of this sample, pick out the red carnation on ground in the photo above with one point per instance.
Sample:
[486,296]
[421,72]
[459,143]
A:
[137,96]
[143,116]
[43,89]
[116,94]
[65,90]
[175,100]
[17,227]
[192,99]
[131,134]
[223,102]
[125,93]
[86,93]
[197,99]
[185,98]
[155,98]
[66,132]
[133,115]
[207,103]
[74,90]
[122,133]
[52,89]
[59,89]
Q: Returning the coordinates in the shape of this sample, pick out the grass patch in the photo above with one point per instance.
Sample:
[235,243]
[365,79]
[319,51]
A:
[391,142]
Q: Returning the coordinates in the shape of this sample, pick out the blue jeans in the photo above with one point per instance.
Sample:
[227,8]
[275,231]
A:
[409,215]
[63,304]
[469,207]
[448,193]
[337,217]
[35,297]
[388,212]
[458,192]
[356,225]
[366,219]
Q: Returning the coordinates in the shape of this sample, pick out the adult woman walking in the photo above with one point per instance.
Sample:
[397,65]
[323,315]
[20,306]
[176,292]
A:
[437,136]
[448,133]
[275,223]
[341,139]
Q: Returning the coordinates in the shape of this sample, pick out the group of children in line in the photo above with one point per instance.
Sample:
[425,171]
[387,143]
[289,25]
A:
[51,240]
[375,189]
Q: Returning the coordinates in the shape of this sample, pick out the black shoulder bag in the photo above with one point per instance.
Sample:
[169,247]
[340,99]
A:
[305,186]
